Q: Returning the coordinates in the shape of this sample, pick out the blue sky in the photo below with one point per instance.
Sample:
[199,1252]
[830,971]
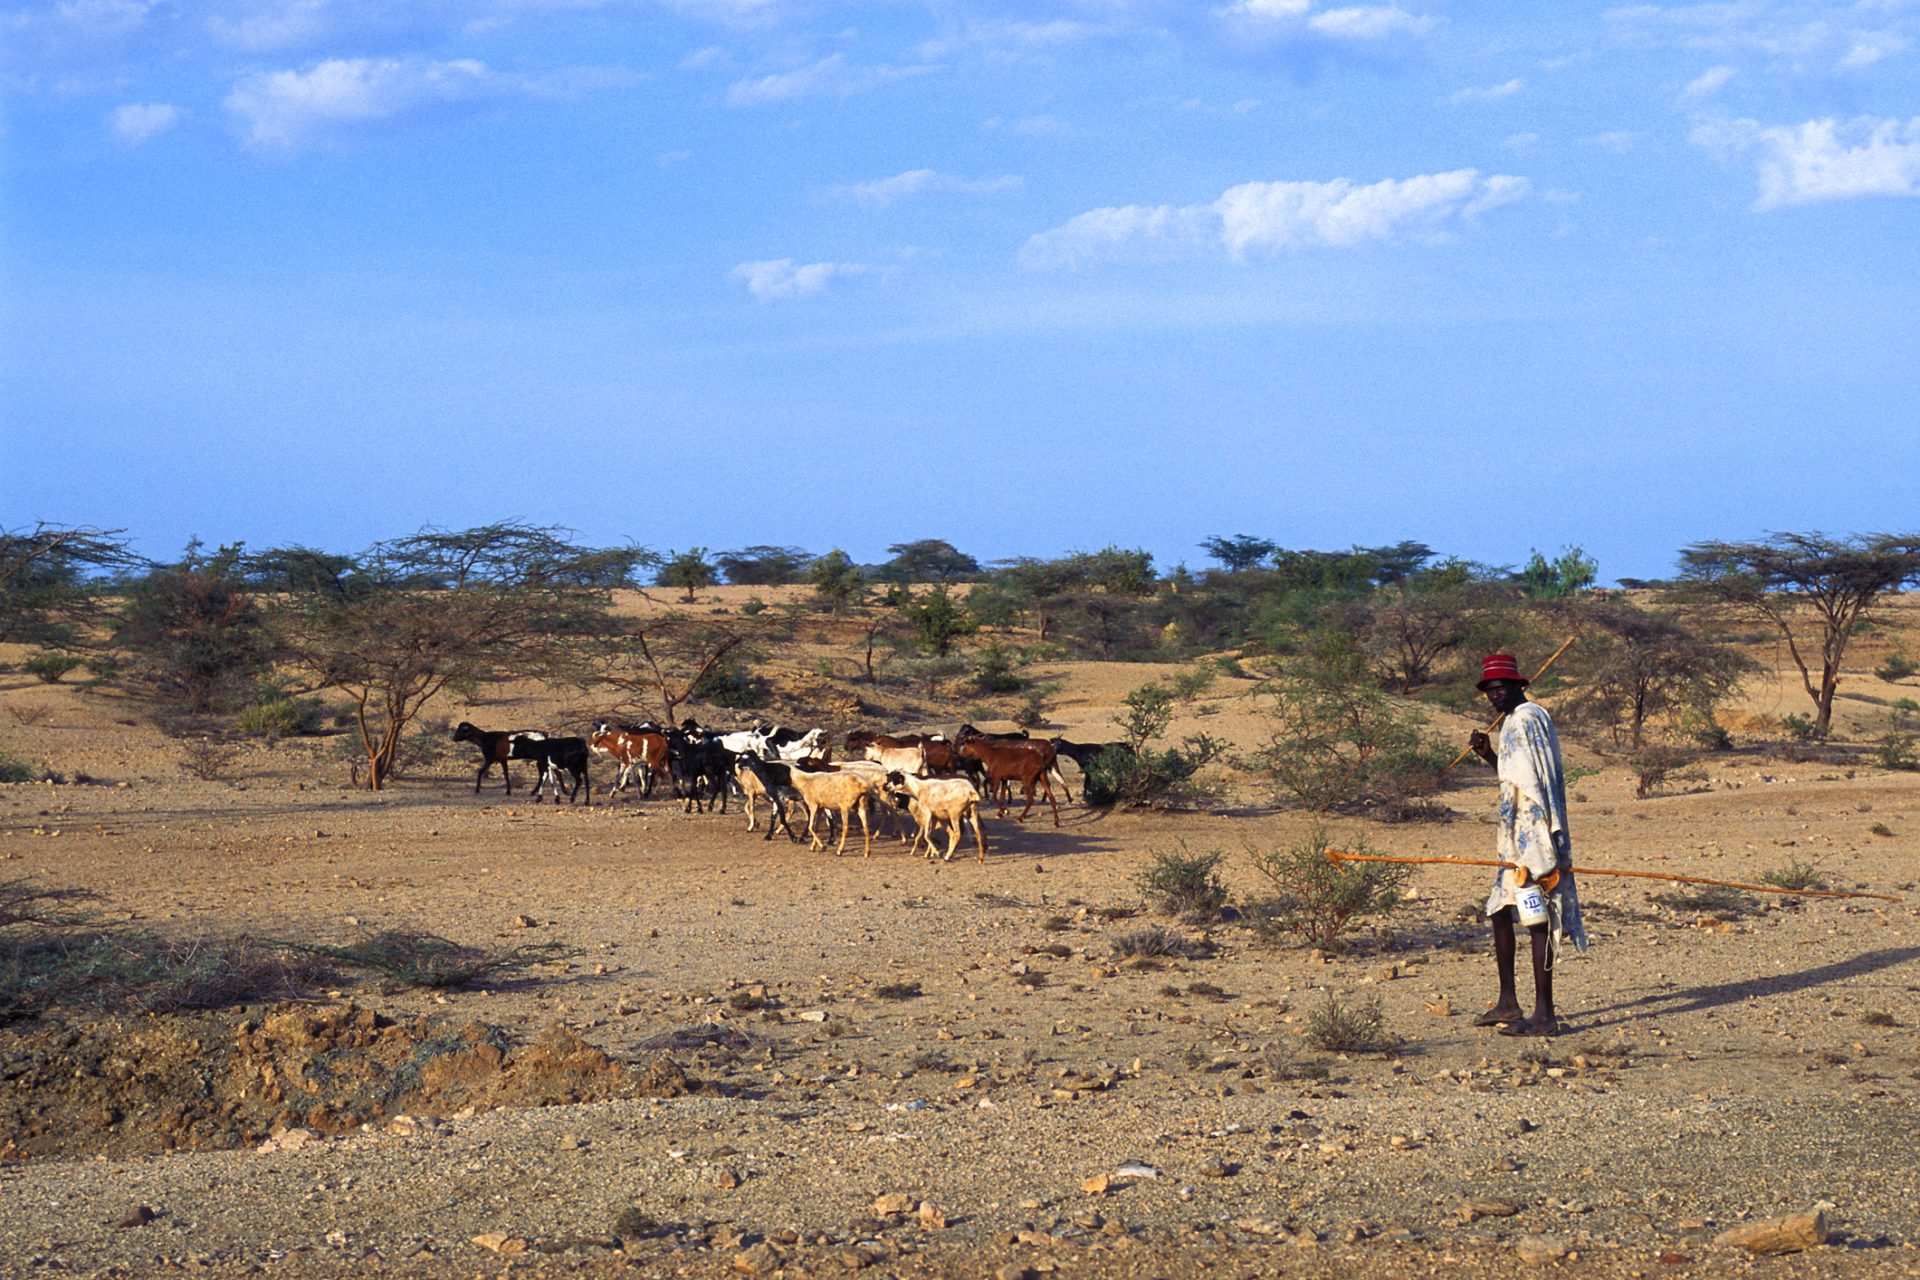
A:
[1029,277]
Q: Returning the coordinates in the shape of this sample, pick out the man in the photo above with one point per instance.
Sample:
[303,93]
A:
[1532,836]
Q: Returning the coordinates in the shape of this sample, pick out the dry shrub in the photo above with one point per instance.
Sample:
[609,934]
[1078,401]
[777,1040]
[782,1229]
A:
[207,759]
[1349,1026]
[28,713]
[1655,767]
[897,991]
[1317,899]
[1709,900]
[1794,875]
[1281,1060]
[1155,943]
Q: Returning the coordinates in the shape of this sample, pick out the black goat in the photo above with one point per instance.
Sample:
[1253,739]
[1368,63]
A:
[554,756]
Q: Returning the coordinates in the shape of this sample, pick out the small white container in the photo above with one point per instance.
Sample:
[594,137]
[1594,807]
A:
[1530,905]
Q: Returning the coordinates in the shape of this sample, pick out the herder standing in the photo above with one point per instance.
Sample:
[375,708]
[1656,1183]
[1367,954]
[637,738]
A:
[1532,835]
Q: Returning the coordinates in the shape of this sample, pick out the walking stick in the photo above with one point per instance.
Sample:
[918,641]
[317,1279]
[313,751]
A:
[1502,717]
[1337,856]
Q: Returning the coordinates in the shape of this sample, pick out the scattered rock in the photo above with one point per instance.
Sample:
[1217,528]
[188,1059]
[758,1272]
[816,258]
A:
[932,1216]
[500,1242]
[138,1216]
[726,1180]
[1215,1167]
[1097,1185]
[888,1205]
[1011,1272]
[525,922]
[1440,1008]
[760,1260]
[1474,1210]
[1788,1233]
[286,1140]
[1535,1250]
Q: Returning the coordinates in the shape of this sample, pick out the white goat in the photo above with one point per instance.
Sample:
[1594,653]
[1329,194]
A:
[936,800]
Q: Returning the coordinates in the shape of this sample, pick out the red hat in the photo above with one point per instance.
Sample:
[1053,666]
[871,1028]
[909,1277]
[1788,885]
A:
[1498,666]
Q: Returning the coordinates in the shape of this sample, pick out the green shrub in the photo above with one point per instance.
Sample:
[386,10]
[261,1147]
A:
[1896,752]
[1349,1026]
[1335,745]
[1794,875]
[754,606]
[49,665]
[280,716]
[997,670]
[1316,898]
[1801,728]
[1146,778]
[1897,667]
[1153,942]
[1654,767]
[16,770]
[726,685]
[1184,885]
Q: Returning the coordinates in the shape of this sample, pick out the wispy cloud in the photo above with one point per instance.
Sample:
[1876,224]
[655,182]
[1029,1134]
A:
[1357,23]
[920,182]
[286,108]
[1258,218]
[136,122]
[1800,37]
[1617,141]
[1822,160]
[1009,38]
[1708,83]
[831,77]
[1491,93]
[782,278]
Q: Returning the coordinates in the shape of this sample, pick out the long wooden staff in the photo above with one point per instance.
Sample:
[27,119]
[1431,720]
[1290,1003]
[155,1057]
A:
[1502,717]
[1337,856]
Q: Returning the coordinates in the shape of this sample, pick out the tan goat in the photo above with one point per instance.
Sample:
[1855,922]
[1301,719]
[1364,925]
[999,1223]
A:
[838,791]
[936,800]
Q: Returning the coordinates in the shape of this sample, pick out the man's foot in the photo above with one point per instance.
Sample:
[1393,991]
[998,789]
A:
[1532,1027]
[1499,1015]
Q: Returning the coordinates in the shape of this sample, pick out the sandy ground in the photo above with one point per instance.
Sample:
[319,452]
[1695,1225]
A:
[1714,1070]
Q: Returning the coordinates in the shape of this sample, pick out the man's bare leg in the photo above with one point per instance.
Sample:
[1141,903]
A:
[1507,1007]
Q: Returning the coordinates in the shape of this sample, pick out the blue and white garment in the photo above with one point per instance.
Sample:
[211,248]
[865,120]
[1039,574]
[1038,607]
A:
[1533,820]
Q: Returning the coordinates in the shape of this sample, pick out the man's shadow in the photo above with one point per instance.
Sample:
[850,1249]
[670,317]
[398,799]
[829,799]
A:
[1694,999]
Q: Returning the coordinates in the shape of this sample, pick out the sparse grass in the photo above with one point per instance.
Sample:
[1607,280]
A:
[1186,886]
[1281,1059]
[279,716]
[1794,875]
[1709,900]
[746,1002]
[1880,829]
[990,898]
[1115,913]
[1879,1018]
[1056,924]
[1155,943]
[1206,991]
[897,991]
[428,960]
[932,1060]
[1318,899]
[632,1224]
[1349,1026]
[1896,752]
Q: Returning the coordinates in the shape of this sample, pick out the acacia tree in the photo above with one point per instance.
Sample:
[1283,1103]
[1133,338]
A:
[49,580]
[1240,552]
[689,570]
[1648,664]
[193,633]
[1814,590]
[502,601]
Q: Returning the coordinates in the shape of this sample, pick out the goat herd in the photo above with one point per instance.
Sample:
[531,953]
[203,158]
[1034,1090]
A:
[931,778]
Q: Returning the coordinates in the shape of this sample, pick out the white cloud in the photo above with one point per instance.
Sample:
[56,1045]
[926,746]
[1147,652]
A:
[1272,217]
[1492,93]
[1618,141]
[1007,38]
[1822,159]
[783,278]
[1708,83]
[284,108]
[831,76]
[137,121]
[1354,24]
[917,182]
[1369,22]
[1798,37]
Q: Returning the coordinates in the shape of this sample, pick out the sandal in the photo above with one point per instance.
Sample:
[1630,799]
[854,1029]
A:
[1495,1017]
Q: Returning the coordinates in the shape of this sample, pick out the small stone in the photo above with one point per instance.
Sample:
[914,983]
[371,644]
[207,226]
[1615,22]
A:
[932,1216]
[1011,1272]
[1215,1167]
[1262,1227]
[1440,1008]
[812,1015]
[138,1216]
[888,1205]
[1474,1210]
[500,1242]
[286,1140]
[1534,1250]
[1097,1185]
[1034,1239]
[1523,1126]
[762,1259]
[726,1180]
[1788,1233]
[525,922]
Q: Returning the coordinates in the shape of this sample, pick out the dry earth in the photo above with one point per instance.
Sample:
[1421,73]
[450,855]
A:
[756,1043]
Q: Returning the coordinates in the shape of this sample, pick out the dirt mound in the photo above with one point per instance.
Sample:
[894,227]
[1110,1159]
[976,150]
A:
[126,1086]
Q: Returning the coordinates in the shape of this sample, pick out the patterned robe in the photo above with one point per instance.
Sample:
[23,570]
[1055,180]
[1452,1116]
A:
[1533,820]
